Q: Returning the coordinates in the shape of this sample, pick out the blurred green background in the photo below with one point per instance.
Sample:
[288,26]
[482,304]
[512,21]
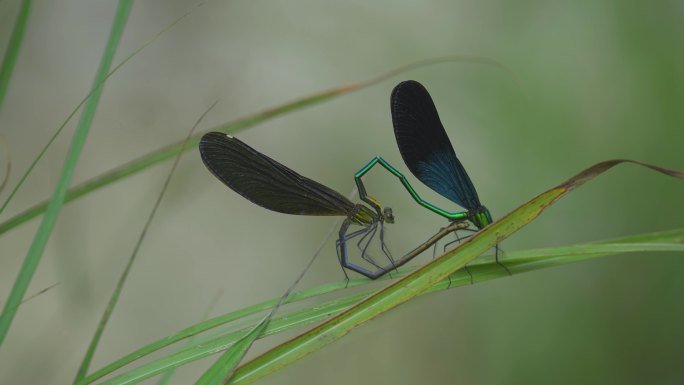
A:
[595,80]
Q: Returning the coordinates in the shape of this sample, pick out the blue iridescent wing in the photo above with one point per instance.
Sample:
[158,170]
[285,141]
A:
[266,182]
[425,147]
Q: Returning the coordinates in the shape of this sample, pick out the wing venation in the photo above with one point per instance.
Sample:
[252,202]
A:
[425,146]
[266,182]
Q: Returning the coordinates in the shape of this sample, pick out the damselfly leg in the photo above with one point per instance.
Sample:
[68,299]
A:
[497,250]
[365,241]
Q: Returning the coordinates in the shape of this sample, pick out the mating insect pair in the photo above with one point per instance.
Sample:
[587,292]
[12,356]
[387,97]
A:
[425,148]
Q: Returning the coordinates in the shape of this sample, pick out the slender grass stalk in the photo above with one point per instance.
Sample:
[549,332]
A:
[164,379]
[59,130]
[223,369]
[114,299]
[223,320]
[8,164]
[40,241]
[38,293]
[12,51]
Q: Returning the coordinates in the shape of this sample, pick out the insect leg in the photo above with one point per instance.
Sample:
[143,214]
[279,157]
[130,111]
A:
[497,249]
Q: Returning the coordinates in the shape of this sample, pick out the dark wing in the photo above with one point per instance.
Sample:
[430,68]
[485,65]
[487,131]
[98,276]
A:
[266,182]
[425,147]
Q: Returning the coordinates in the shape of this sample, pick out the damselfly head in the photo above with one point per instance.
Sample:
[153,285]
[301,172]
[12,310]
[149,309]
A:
[387,215]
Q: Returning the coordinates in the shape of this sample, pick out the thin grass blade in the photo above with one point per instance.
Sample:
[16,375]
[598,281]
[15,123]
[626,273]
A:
[40,241]
[164,379]
[219,321]
[113,300]
[59,130]
[8,164]
[518,262]
[222,370]
[12,51]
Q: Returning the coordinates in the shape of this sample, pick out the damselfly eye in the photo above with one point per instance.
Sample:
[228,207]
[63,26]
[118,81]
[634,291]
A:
[389,216]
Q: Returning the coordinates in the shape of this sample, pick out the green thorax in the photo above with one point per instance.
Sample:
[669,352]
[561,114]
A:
[480,217]
[363,215]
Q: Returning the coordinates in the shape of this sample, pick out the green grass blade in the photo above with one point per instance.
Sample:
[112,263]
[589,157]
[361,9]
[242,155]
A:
[12,51]
[216,322]
[38,293]
[8,164]
[422,279]
[164,379]
[515,261]
[221,371]
[114,299]
[206,348]
[172,150]
[39,242]
[518,262]
[59,130]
